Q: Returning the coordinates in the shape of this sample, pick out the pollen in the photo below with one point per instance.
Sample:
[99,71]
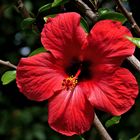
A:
[69,83]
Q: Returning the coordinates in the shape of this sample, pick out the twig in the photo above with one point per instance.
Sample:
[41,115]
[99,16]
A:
[7,63]
[22,9]
[101,129]
[25,13]
[87,11]
[129,16]
[134,61]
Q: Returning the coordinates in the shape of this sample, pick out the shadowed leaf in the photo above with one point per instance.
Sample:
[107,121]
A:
[108,14]
[27,22]
[45,8]
[114,120]
[59,2]
[84,25]
[38,50]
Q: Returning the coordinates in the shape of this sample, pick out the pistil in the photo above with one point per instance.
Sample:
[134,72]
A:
[70,82]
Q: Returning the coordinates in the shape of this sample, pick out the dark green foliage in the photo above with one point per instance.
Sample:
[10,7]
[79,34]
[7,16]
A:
[84,25]
[38,50]
[27,22]
[108,14]
[114,120]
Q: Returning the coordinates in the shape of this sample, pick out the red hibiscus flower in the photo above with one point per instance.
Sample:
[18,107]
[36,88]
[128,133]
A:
[79,73]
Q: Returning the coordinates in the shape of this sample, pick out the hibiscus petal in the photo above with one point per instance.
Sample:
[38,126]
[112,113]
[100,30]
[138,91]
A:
[114,93]
[107,39]
[70,112]
[39,76]
[63,35]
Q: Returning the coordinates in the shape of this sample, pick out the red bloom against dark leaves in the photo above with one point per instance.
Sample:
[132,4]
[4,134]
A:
[81,72]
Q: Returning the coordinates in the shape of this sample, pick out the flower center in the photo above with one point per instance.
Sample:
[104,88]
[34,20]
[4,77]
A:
[84,66]
[70,82]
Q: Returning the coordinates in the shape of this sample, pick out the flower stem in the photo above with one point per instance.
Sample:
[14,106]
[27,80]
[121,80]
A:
[7,63]
[104,134]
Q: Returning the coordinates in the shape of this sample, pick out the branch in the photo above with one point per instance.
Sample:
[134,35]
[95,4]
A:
[129,16]
[134,61]
[87,11]
[25,13]
[101,129]
[7,63]
[22,9]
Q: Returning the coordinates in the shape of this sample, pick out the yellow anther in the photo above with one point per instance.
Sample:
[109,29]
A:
[69,83]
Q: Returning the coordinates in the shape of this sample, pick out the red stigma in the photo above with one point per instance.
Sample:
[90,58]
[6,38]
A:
[70,82]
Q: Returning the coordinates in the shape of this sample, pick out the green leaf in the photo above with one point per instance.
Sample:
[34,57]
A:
[112,15]
[84,25]
[134,40]
[136,137]
[27,22]
[114,120]
[38,50]
[59,2]
[103,11]
[52,5]
[45,8]
[8,77]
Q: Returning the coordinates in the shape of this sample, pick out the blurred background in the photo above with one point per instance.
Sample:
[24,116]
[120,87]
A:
[22,119]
